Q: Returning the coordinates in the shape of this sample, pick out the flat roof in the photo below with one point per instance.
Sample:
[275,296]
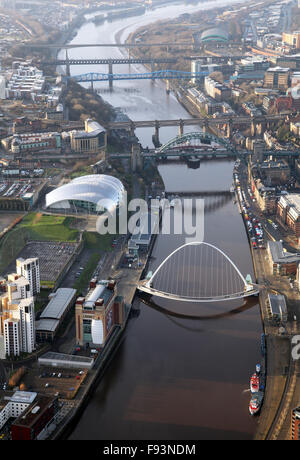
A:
[280,256]
[81,361]
[277,303]
[23,396]
[59,303]
[48,325]
[33,412]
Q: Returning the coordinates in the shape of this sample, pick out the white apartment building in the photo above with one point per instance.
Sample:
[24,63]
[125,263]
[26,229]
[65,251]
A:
[26,82]
[17,319]
[11,337]
[30,269]
[19,327]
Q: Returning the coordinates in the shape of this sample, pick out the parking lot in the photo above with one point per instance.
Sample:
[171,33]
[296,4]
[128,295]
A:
[53,257]
[53,381]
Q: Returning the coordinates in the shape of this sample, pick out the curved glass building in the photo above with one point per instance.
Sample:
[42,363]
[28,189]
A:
[88,193]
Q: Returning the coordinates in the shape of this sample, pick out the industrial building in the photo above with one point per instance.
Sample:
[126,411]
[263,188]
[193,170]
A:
[54,313]
[87,194]
[98,313]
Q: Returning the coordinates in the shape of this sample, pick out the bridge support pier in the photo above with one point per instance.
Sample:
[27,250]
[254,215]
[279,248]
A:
[168,86]
[253,129]
[229,129]
[132,129]
[152,70]
[181,128]
[110,76]
[156,135]
[68,70]
[136,158]
[205,127]
[260,129]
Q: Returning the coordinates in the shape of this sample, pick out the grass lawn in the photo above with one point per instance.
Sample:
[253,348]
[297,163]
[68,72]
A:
[44,227]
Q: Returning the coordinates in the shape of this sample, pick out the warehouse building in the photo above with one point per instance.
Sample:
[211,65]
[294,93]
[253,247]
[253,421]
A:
[54,313]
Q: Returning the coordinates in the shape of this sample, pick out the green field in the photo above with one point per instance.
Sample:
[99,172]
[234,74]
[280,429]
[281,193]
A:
[37,227]
[43,227]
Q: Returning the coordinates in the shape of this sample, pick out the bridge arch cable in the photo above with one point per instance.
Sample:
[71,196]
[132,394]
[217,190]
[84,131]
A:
[198,271]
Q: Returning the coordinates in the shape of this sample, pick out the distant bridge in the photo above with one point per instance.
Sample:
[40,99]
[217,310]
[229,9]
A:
[110,62]
[203,122]
[105,45]
[154,75]
[198,272]
[200,145]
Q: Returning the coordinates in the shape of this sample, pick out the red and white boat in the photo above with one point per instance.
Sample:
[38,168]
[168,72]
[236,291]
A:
[254,383]
[255,403]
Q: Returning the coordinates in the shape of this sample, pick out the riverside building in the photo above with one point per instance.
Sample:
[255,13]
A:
[98,313]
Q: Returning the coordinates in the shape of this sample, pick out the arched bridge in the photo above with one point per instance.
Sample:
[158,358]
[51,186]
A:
[198,272]
[196,142]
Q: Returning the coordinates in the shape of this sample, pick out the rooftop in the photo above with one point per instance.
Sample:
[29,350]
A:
[279,255]
[60,300]
[33,412]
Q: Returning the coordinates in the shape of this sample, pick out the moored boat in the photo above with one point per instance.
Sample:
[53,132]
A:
[254,383]
[255,403]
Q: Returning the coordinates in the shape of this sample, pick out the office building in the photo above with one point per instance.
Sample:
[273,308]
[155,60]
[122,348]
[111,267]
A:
[92,140]
[277,77]
[34,419]
[282,262]
[291,39]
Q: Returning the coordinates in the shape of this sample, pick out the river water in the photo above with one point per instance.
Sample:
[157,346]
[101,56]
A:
[174,377]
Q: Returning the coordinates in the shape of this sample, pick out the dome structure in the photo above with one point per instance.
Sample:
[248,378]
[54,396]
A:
[215,34]
[89,193]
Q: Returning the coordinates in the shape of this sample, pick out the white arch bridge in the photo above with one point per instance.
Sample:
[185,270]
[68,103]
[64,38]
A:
[198,272]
